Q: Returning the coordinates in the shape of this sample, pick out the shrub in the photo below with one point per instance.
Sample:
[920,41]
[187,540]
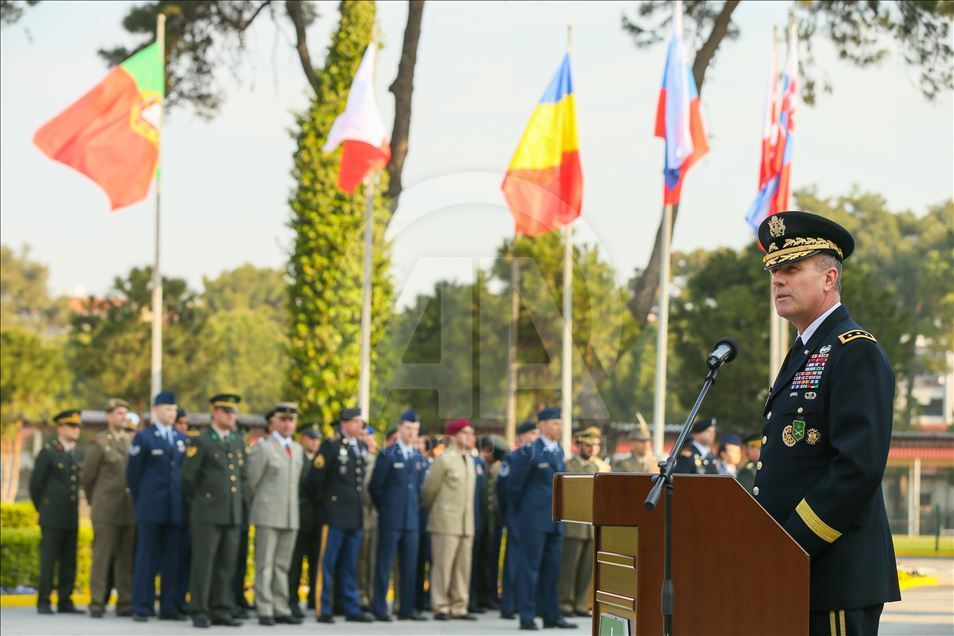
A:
[18,515]
[20,555]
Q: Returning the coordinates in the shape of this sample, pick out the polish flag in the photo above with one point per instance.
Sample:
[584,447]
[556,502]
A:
[360,130]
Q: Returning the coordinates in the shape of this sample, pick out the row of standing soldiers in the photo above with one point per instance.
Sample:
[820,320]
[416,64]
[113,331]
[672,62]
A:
[414,510]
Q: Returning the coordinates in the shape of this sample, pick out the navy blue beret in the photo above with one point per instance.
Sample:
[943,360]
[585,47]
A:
[703,424]
[409,415]
[551,413]
[349,414]
[164,397]
[526,427]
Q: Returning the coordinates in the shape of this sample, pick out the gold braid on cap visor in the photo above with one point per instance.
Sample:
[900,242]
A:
[795,248]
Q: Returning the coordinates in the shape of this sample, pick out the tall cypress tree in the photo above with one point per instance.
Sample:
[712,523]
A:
[326,265]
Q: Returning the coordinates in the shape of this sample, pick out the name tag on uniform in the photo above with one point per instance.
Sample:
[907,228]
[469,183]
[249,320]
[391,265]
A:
[399,464]
[157,451]
[543,465]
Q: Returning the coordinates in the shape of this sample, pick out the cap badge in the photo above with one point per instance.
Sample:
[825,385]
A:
[776,227]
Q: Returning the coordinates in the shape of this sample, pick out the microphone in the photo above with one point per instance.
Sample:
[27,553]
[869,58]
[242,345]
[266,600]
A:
[725,351]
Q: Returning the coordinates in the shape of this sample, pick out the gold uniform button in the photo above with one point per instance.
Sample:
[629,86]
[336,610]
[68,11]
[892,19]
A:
[800,409]
[234,489]
[231,466]
[765,439]
[72,477]
[758,466]
[232,477]
[230,455]
[769,416]
[755,491]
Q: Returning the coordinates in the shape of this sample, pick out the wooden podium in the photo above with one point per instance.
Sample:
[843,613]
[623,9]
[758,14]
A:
[734,570]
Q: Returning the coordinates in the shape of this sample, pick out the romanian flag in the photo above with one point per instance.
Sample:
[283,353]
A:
[360,129]
[777,142]
[111,134]
[678,119]
[544,183]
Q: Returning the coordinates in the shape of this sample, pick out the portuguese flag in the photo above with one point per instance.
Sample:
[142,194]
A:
[111,134]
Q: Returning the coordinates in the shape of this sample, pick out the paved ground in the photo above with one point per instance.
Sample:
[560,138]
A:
[923,612]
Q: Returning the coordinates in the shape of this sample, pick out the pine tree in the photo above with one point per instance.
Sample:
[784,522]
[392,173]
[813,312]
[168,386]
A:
[326,265]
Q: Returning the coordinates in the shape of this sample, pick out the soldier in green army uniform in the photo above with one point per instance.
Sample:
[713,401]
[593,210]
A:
[54,489]
[369,521]
[752,444]
[114,522]
[212,478]
[641,458]
[576,563]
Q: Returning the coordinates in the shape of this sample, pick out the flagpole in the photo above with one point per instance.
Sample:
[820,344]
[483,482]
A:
[662,335]
[364,382]
[566,364]
[156,371]
[511,429]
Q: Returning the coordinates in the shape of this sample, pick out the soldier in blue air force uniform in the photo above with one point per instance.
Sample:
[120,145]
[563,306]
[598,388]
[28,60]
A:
[827,430]
[153,474]
[530,486]
[395,489]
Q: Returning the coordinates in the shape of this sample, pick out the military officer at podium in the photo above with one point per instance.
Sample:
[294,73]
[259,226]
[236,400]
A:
[696,458]
[54,489]
[337,480]
[530,487]
[153,474]
[827,429]
[212,477]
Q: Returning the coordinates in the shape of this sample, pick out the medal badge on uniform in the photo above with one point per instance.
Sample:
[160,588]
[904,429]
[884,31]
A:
[319,461]
[810,376]
[814,436]
[192,452]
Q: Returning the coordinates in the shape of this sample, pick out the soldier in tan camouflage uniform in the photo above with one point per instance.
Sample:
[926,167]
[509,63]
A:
[641,459]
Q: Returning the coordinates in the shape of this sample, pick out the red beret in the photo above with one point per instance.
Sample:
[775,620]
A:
[456,426]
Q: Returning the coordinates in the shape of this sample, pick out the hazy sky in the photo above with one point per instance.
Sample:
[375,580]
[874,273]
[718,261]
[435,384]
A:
[481,68]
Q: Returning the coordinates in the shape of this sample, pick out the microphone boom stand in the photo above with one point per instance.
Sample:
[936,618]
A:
[664,478]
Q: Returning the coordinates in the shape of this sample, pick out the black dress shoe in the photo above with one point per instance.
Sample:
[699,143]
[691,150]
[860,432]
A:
[476,609]
[267,621]
[124,613]
[560,624]
[296,610]
[466,617]
[441,616]
[140,618]
[201,623]
[326,618]
[582,613]
[529,626]
[411,617]
[227,622]
[240,612]
[69,609]
[508,615]
[171,616]
[359,618]
[288,620]
[382,618]
[44,609]
[96,613]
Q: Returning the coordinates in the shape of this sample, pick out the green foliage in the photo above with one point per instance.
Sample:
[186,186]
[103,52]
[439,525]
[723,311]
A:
[201,35]
[861,33]
[18,515]
[110,341]
[326,263]
[24,299]
[33,377]
[11,10]
[20,555]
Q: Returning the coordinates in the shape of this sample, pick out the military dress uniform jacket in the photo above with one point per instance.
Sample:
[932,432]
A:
[530,486]
[212,478]
[449,492]
[824,449]
[395,488]
[104,479]
[271,484]
[632,463]
[692,462]
[153,474]
[577,464]
[54,487]
[336,480]
[308,518]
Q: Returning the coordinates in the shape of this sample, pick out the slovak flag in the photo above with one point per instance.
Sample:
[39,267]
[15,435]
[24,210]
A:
[775,169]
[360,130]
[678,118]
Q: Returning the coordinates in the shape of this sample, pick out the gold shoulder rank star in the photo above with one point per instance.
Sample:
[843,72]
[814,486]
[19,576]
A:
[855,334]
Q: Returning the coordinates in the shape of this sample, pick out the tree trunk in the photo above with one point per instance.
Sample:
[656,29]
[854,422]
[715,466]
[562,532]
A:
[403,89]
[297,16]
[647,283]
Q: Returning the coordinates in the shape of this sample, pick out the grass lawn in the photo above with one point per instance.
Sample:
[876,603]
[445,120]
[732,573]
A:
[905,545]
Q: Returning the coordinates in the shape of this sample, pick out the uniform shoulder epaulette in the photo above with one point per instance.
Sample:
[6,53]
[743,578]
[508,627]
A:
[855,334]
